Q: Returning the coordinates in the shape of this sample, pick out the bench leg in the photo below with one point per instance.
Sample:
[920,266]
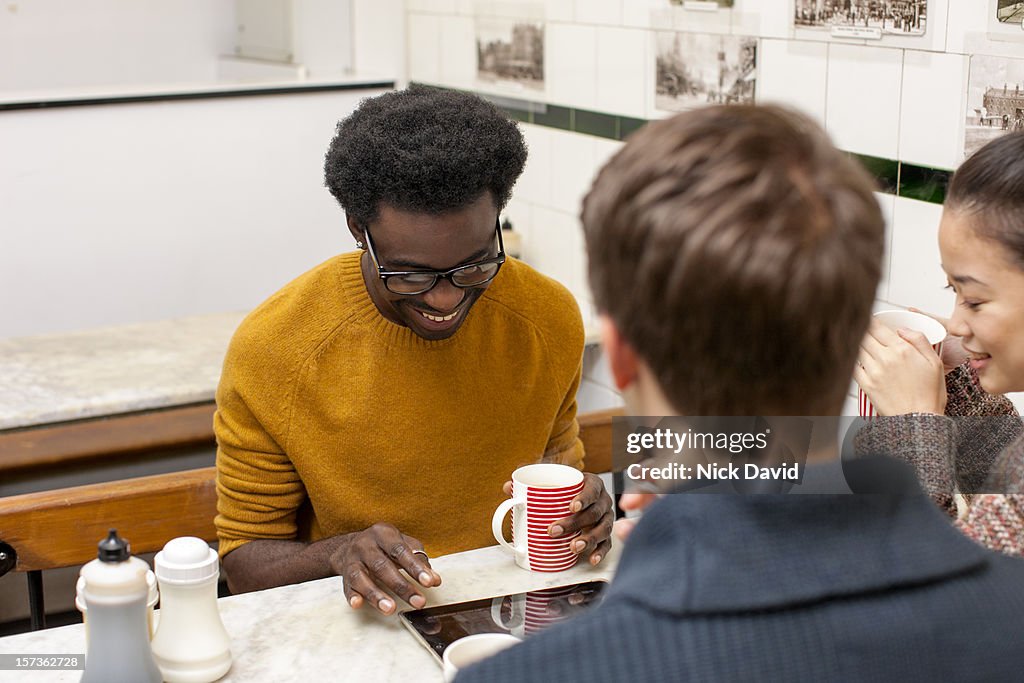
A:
[35,599]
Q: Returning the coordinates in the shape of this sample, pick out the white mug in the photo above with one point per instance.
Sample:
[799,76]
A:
[471,649]
[895,319]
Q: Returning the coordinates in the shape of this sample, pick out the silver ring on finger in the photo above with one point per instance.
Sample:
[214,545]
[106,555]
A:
[423,553]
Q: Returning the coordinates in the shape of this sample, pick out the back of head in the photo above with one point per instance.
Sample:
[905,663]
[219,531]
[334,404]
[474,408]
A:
[423,150]
[738,252]
[987,189]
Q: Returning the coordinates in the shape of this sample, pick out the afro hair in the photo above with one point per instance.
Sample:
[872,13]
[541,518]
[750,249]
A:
[423,150]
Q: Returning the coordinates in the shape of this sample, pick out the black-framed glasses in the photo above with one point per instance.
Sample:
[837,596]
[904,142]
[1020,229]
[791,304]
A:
[410,282]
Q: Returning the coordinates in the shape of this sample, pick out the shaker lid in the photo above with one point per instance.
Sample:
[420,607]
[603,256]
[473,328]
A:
[186,559]
[113,548]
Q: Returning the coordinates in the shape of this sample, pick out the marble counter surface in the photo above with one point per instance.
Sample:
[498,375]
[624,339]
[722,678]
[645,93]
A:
[112,370]
[308,633]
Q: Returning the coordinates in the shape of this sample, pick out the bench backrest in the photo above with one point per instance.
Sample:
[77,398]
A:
[60,528]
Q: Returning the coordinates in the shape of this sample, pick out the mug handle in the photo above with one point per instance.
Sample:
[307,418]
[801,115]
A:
[499,518]
[497,604]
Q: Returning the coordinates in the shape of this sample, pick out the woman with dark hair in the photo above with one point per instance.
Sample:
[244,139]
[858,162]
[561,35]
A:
[980,454]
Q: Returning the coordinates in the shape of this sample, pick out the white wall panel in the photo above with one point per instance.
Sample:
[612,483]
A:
[132,212]
[863,101]
[794,73]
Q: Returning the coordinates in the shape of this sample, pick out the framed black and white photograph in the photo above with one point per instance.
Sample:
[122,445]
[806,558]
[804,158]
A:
[1009,11]
[510,53]
[995,100]
[694,69]
[870,19]
[1005,22]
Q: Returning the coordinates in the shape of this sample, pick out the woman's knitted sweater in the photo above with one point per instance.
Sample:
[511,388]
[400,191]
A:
[970,461]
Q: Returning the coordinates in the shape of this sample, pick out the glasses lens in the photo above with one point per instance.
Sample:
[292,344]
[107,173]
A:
[475,275]
[413,283]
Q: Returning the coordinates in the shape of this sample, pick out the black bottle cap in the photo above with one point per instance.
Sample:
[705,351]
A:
[506,224]
[113,548]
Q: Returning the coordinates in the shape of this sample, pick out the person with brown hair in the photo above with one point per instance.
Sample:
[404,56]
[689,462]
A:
[958,430]
[734,255]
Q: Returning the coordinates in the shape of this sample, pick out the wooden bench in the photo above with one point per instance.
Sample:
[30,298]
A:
[60,528]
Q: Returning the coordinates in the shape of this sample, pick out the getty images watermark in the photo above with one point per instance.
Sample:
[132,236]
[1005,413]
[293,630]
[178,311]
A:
[667,440]
[783,454]
[675,454]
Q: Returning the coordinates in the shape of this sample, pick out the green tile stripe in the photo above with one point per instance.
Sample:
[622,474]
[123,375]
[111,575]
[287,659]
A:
[907,180]
[628,126]
[923,183]
[885,171]
[551,116]
[596,123]
[583,121]
[894,177]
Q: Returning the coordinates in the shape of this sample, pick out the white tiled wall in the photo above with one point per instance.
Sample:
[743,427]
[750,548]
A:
[623,78]
[766,18]
[794,73]
[458,52]
[699,21]
[572,169]
[604,150]
[424,48]
[608,12]
[570,68]
[887,203]
[916,278]
[560,10]
[646,14]
[534,185]
[863,98]
[897,98]
[934,99]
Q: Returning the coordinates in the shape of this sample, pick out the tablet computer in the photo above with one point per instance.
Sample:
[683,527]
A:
[521,614]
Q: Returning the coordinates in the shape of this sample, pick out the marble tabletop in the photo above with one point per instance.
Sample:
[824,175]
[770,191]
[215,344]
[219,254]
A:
[307,632]
[112,370]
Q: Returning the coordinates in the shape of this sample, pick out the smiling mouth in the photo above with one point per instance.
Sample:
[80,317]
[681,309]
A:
[974,355]
[437,318]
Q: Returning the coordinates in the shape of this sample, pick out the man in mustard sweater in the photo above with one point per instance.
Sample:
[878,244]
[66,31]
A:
[372,409]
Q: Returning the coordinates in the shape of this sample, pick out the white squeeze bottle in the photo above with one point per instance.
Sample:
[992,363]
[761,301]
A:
[151,601]
[115,593]
[190,644]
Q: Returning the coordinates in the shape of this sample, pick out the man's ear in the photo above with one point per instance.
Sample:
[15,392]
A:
[356,230]
[622,359]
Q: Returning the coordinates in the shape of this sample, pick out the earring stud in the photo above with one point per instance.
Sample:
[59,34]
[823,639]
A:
[359,244]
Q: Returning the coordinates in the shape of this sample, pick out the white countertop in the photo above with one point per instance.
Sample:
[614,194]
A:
[112,370]
[307,632]
[144,90]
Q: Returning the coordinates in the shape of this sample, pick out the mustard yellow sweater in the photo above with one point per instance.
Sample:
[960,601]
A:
[331,418]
